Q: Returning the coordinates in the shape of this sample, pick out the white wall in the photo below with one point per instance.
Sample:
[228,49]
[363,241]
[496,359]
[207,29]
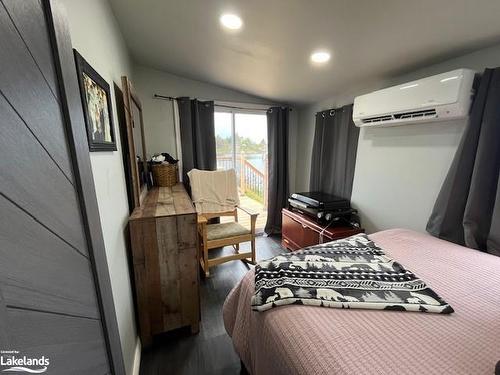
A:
[158,120]
[399,170]
[95,34]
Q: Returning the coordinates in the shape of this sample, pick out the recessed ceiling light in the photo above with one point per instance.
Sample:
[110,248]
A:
[231,21]
[320,57]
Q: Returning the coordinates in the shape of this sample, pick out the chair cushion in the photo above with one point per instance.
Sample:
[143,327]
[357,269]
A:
[225,230]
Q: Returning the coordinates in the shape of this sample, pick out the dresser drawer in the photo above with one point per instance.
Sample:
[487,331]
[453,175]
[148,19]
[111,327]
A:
[299,231]
[297,235]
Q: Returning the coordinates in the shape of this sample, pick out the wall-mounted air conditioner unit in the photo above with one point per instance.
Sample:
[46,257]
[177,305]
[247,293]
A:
[441,97]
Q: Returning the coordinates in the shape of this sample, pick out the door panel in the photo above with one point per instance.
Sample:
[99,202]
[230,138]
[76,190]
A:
[4,337]
[23,82]
[49,304]
[40,271]
[32,180]
[29,20]
[73,345]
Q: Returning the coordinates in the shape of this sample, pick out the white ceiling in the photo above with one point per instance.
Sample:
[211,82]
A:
[269,57]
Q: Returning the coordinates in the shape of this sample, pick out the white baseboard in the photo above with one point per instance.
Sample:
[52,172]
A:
[137,358]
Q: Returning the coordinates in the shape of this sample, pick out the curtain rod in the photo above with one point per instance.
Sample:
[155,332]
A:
[163,97]
[250,109]
[242,108]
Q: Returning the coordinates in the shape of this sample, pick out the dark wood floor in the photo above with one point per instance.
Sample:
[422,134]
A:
[211,351]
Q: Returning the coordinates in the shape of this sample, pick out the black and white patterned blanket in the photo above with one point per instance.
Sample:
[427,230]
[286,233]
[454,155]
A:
[349,273]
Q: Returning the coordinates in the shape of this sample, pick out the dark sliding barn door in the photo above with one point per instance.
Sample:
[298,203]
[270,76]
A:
[55,298]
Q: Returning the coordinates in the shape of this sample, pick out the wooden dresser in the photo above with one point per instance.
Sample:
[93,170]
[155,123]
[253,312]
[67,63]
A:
[165,259]
[299,231]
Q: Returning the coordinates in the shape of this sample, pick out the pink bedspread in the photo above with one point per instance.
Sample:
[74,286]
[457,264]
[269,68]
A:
[316,340]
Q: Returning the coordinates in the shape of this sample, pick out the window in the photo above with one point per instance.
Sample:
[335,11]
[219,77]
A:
[241,141]
[224,140]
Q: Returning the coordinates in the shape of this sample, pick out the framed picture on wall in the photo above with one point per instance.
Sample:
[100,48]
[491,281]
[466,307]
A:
[96,100]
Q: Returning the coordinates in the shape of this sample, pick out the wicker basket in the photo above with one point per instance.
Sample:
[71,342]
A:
[165,175]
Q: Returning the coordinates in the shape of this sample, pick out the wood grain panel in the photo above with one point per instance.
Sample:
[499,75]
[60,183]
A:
[39,271]
[168,255]
[21,81]
[147,276]
[187,231]
[164,242]
[164,201]
[4,332]
[29,20]
[141,284]
[151,263]
[165,204]
[182,201]
[148,206]
[188,264]
[73,345]
[138,230]
[34,183]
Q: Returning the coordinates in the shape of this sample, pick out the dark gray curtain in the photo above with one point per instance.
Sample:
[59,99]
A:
[467,209]
[196,120]
[277,138]
[334,152]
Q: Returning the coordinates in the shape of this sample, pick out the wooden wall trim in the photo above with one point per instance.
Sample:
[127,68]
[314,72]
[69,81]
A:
[129,119]
[78,145]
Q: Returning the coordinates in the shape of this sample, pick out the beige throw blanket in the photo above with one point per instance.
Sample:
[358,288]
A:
[214,191]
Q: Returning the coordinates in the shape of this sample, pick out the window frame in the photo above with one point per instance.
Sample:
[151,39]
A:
[234,112]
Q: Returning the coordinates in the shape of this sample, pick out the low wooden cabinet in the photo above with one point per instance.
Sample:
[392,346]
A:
[299,231]
[166,262]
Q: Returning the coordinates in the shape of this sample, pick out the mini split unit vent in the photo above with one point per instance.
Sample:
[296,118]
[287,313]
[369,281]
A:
[426,113]
[441,97]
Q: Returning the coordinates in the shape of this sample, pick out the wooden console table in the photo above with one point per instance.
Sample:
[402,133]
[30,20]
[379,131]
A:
[299,231]
[166,262]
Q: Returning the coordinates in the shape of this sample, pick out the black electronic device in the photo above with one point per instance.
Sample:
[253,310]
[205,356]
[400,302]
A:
[324,208]
[323,201]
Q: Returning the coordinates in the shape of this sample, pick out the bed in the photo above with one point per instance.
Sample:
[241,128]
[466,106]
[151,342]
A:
[297,339]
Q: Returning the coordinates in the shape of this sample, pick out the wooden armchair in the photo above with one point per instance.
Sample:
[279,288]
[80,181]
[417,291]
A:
[213,236]
[215,194]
